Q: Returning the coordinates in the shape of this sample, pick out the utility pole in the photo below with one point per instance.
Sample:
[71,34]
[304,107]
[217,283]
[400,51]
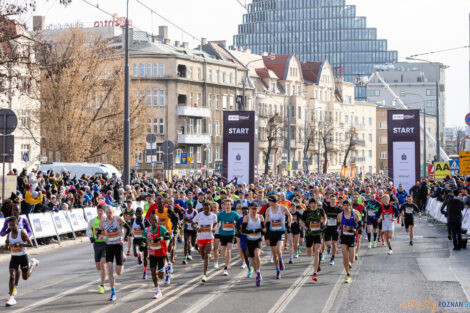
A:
[288,137]
[438,139]
[126,102]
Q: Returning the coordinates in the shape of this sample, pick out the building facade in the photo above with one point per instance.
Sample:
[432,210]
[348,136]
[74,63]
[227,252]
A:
[315,30]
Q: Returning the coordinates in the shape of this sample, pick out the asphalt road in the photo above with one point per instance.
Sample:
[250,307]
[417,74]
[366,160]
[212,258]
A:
[66,281]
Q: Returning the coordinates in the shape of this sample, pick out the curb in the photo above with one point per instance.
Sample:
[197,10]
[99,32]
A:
[5,256]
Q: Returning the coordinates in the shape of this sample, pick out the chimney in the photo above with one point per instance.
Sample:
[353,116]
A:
[203,41]
[167,41]
[162,33]
[185,45]
[247,50]
[131,37]
[177,43]
[154,38]
[39,23]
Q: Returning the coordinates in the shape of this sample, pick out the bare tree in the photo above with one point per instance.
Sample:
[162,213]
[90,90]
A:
[273,130]
[351,144]
[326,129]
[309,133]
[460,140]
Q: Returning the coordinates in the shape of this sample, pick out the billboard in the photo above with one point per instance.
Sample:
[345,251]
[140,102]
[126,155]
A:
[441,169]
[403,147]
[240,154]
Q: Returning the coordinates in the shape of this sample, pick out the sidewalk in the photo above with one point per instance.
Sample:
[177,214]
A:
[5,255]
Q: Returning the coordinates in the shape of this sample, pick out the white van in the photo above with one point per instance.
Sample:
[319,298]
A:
[81,168]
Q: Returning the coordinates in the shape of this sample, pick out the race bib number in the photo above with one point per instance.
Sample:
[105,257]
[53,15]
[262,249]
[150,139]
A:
[388,216]
[16,249]
[162,222]
[254,236]
[294,219]
[409,210]
[371,213]
[348,231]
[128,217]
[227,226]
[138,233]
[155,245]
[332,221]
[112,235]
[315,226]
[205,228]
[276,225]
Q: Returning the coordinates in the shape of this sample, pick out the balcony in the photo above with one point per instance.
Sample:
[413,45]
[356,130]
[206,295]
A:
[360,143]
[358,160]
[194,139]
[193,111]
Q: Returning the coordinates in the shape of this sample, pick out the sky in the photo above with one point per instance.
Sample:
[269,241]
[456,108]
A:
[410,26]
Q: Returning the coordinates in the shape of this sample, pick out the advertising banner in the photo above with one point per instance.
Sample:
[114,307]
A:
[42,225]
[90,213]
[441,170]
[464,158]
[431,170]
[61,223]
[240,154]
[77,219]
[403,147]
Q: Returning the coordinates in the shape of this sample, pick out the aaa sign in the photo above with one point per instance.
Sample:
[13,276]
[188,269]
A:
[441,169]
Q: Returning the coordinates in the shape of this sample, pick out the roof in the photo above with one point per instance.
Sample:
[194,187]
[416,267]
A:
[311,71]
[279,64]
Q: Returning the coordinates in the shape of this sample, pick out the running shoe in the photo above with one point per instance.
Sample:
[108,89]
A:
[390,251]
[243,266]
[314,277]
[157,295]
[216,265]
[15,291]
[258,279]
[290,260]
[350,265]
[204,278]
[144,274]
[33,263]
[298,251]
[356,256]
[278,274]
[113,296]
[167,279]
[296,255]
[348,279]
[411,243]
[101,289]
[128,253]
[225,273]
[281,264]
[173,261]
[170,268]
[185,262]
[319,268]
[179,239]
[374,244]
[271,260]
[250,272]
[285,247]
[383,242]
[210,257]
[328,250]
[332,262]
[139,258]
[369,245]
[322,256]
[124,259]
[11,301]
[190,258]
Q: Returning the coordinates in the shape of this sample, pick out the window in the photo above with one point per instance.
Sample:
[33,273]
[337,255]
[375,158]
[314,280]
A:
[370,121]
[370,137]
[382,140]
[155,70]
[198,73]
[224,77]
[149,126]
[26,149]
[217,153]
[224,101]
[198,99]
[217,102]
[209,154]
[431,92]
[430,104]
[198,154]
[190,72]
[231,78]
[402,92]
[148,71]
[162,70]
[210,128]
[300,113]
[210,75]
[346,118]
[162,98]
[191,152]
[383,155]
[155,125]
[217,74]
[155,97]
[149,97]
[142,70]
[382,125]
[370,153]
[363,120]
[135,71]
[191,126]
[198,127]
[217,128]
[25,121]
[162,127]
[191,99]
[373,92]
[210,101]
[231,102]
[178,156]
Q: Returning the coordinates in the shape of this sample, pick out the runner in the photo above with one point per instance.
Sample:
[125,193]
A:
[128,214]
[331,231]
[276,216]
[387,219]
[112,226]
[253,227]
[226,220]
[156,236]
[373,210]
[242,243]
[99,244]
[312,219]
[407,211]
[139,224]
[359,208]
[17,241]
[294,233]
[206,223]
[349,220]
[189,233]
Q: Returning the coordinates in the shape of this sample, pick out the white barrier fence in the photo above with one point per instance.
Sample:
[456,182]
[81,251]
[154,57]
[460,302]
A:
[434,208]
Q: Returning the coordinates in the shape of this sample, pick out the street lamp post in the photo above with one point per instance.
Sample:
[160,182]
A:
[126,102]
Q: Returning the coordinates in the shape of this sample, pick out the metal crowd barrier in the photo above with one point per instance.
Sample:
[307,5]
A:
[433,207]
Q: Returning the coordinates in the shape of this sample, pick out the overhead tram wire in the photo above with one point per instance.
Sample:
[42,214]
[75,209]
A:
[438,51]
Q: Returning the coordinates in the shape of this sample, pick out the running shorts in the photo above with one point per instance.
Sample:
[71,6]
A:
[157,262]
[137,243]
[311,240]
[331,234]
[387,225]
[380,225]
[348,240]
[372,222]
[192,233]
[409,221]
[100,251]
[217,236]
[112,252]
[295,229]
[224,240]
[275,237]
[21,261]
[204,242]
[252,245]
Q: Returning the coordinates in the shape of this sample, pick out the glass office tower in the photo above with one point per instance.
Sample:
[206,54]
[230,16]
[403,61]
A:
[315,30]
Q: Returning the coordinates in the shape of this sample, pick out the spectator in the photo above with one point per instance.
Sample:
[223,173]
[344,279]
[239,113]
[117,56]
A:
[32,199]
[454,217]
[401,194]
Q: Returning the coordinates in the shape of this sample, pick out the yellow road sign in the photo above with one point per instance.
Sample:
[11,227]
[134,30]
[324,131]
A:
[441,169]
[190,159]
[464,158]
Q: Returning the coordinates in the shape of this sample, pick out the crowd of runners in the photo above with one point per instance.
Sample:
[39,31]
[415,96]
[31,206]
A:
[314,216]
